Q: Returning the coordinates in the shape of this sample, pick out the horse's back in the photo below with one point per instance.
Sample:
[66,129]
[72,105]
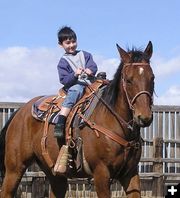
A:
[19,121]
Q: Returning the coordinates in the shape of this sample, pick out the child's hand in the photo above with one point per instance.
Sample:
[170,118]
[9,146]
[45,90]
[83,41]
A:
[88,71]
[79,71]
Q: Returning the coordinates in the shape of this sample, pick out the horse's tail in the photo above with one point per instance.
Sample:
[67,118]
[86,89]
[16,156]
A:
[2,144]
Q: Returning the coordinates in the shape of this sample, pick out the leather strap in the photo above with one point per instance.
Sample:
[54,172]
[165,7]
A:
[77,107]
[44,138]
[106,132]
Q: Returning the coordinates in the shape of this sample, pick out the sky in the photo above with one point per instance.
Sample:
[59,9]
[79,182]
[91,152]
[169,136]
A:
[29,51]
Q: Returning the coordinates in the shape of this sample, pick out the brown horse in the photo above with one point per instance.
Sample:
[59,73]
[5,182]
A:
[124,108]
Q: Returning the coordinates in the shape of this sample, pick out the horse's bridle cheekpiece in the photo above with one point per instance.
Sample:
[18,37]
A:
[132,101]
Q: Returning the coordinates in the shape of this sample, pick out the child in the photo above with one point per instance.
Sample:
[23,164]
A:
[75,69]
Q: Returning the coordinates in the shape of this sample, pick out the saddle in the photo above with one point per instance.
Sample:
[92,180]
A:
[47,108]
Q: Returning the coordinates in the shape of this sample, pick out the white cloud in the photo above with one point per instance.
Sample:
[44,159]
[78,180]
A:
[167,81]
[163,67]
[170,97]
[108,65]
[26,73]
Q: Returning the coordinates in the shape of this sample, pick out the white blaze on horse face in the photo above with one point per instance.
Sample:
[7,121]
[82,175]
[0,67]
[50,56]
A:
[141,71]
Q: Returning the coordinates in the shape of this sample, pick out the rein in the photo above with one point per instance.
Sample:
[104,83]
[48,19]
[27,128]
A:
[120,120]
[107,132]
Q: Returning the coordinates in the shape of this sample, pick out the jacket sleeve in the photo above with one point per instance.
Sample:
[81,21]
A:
[66,74]
[89,62]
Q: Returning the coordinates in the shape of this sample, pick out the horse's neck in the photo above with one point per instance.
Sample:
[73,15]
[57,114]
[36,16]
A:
[112,116]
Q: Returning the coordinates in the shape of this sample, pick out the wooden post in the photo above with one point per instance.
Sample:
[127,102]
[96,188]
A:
[158,181]
[37,187]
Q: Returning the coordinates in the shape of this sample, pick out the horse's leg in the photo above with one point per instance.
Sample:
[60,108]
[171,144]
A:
[11,181]
[16,161]
[58,183]
[131,186]
[101,181]
[58,186]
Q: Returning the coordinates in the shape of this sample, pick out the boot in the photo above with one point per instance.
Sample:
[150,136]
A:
[59,131]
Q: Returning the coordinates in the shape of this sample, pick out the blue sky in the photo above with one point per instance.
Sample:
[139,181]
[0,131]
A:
[29,52]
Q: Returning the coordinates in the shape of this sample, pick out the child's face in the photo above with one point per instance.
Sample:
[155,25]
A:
[69,46]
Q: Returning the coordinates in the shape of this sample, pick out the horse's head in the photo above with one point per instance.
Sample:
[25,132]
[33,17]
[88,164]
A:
[137,80]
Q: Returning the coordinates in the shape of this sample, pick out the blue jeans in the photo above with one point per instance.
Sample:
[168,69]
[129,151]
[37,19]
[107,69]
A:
[74,93]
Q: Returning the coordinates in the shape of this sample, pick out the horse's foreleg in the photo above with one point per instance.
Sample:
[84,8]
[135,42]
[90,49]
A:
[58,186]
[131,186]
[101,181]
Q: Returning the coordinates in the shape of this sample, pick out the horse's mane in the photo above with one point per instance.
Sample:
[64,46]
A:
[112,91]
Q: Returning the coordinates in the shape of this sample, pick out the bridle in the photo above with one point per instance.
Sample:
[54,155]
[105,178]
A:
[132,101]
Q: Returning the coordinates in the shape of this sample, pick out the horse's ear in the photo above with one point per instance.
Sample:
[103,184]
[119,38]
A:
[149,49]
[123,54]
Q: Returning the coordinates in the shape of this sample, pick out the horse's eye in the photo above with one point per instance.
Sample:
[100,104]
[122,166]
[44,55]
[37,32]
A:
[152,78]
[128,81]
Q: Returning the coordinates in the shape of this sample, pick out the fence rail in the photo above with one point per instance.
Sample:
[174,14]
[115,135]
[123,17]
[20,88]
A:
[159,165]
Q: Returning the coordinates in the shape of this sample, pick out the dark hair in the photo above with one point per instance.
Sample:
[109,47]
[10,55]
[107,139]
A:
[65,33]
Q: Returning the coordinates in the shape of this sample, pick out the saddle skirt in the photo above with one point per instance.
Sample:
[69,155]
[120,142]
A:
[48,107]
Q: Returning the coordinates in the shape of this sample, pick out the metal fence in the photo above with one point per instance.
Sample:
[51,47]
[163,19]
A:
[159,165]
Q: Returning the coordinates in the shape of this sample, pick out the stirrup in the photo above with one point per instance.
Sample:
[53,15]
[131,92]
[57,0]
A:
[62,161]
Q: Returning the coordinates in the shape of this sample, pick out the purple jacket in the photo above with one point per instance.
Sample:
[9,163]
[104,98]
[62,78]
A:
[67,74]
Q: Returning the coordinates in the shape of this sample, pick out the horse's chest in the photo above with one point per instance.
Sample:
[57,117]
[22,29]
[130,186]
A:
[126,158]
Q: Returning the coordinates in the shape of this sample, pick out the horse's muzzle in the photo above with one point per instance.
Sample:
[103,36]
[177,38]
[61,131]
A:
[143,121]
